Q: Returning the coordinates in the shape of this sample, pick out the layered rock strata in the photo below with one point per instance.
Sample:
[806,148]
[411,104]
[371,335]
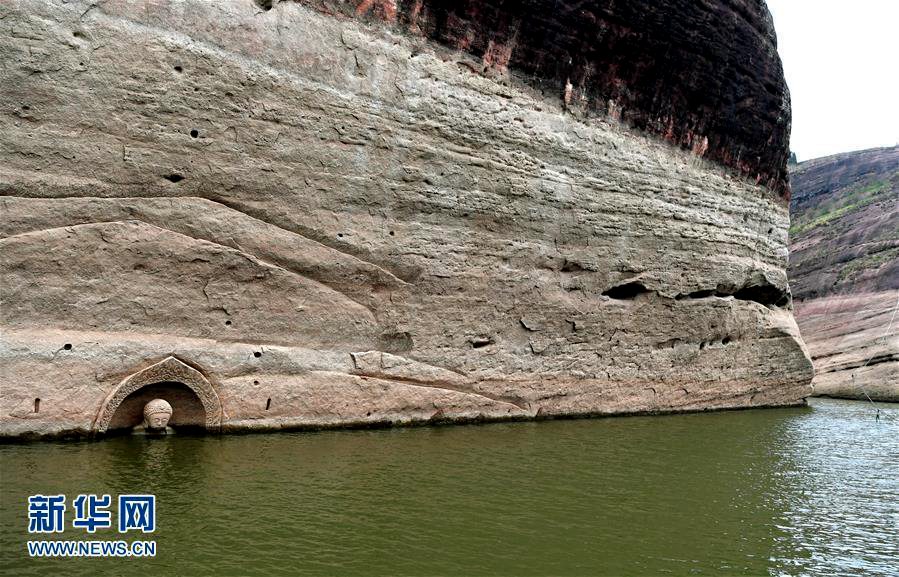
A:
[844,270]
[323,213]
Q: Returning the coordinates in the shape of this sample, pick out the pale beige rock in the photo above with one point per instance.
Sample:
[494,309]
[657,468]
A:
[855,344]
[361,231]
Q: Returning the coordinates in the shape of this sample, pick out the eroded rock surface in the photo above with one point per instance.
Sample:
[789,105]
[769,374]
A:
[344,213]
[844,271]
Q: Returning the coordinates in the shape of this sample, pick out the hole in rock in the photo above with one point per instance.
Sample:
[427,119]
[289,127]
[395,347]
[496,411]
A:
[37,405]
[763,294]
[178,68]
[257,354]
[256,383]
[194,133]
[626,291]
[696,295]
[391,233]
[227,323]
[339,235]
[480,343]
[187,408]
[174,178]
[725,340]
[265,4]
[67,346]
[268,404]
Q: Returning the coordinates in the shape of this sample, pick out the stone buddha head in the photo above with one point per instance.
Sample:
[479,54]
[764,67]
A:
[157,414]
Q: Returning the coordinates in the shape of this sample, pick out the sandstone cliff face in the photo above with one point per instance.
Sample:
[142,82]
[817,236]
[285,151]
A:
[325,213]
[844,270]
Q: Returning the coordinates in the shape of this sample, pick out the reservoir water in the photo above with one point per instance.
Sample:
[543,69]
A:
[802,491]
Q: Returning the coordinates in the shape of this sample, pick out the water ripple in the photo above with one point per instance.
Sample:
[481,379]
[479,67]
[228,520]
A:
[779,492]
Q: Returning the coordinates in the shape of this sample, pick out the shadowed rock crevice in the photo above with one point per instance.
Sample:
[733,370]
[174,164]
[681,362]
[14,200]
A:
[763,295]
[766,295]
[627,291]
[761,292]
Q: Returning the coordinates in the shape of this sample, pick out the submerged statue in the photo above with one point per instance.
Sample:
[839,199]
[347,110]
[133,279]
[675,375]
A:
[157,414]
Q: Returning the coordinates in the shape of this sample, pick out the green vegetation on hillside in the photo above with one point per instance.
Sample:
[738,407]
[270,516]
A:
[837,207]
[868,262]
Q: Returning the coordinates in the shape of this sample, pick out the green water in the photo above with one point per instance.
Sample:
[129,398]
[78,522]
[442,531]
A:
[810,491]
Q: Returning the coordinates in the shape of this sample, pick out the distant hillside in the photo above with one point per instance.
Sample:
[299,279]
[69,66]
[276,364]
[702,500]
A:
[844,232]
[844,269]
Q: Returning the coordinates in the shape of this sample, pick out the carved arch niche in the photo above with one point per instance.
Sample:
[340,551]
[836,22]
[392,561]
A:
[192,396]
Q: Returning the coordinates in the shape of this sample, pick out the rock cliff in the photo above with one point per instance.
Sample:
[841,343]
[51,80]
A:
[325,213]
[844,270]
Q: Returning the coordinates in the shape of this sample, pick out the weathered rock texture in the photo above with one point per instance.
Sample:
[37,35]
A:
[355,213]
[844,270]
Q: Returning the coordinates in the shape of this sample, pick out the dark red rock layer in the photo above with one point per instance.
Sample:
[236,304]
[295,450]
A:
[703,74]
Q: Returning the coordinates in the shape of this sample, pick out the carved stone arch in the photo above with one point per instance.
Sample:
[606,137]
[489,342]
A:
[167,370]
